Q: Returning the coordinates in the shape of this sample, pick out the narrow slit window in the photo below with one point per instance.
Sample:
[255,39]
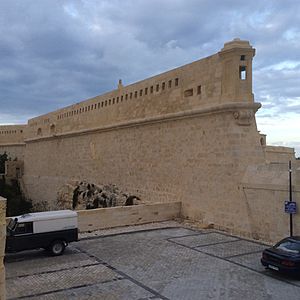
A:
[141,93]
[135,94]
[146,91]
[157,87]
[113,102]
[163,85]
[117,99]
[151,89]
[126,96]
[170,83]
[121,98]
[199,90]
[130,95]
[176,81]
[243,73]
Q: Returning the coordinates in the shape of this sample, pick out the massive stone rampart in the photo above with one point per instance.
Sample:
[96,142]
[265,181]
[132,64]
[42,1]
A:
[186,135]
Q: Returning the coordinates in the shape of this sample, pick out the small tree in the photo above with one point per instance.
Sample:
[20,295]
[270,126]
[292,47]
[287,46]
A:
[3,159]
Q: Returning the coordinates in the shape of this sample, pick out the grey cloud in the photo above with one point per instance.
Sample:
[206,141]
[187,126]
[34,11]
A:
[54,53]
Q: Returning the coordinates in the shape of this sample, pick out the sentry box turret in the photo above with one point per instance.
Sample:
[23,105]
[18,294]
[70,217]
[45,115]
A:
[51,230]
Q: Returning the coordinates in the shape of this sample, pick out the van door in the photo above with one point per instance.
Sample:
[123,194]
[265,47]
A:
[22,238]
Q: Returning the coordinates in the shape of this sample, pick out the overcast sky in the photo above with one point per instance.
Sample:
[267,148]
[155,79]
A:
[56,52]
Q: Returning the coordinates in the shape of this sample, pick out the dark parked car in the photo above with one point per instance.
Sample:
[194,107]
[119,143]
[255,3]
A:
[284,256]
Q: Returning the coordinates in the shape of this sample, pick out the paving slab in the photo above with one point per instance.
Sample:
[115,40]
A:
[54,281]
[113,290]
[203,239]
[237,247]
[155,263]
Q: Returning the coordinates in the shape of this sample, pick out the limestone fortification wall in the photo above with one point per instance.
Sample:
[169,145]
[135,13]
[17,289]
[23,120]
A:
[2,246]
[12,140]
[186,135]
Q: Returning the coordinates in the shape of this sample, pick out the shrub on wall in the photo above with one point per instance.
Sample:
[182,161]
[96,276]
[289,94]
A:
[16,202]
[3,159]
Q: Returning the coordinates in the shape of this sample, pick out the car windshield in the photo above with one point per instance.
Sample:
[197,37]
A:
[289,246]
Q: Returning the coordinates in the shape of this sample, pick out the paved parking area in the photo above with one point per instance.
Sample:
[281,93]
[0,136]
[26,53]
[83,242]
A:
[162,263]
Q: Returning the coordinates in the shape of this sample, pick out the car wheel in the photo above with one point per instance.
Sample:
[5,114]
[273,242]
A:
[57,248]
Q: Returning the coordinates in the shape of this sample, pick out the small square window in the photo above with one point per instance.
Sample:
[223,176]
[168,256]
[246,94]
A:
[243,57]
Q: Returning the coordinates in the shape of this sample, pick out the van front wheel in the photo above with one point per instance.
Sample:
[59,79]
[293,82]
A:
[57,248]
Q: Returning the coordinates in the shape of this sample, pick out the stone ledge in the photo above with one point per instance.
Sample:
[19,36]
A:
[12,144]
[227,107]
[101,218]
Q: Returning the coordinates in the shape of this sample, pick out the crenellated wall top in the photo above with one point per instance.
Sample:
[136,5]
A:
[12,134]
[222,78]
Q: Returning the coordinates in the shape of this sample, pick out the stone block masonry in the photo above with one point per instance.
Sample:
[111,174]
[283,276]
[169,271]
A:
[185,135]
[2,246]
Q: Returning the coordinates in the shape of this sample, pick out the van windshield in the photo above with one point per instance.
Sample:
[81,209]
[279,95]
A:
[12,224]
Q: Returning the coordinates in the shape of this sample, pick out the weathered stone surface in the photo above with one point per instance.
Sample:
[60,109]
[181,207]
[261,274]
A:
[186,135]
[2,246]
[85,195]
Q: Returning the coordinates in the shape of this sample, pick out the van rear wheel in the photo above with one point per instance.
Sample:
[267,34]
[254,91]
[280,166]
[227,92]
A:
[57,248]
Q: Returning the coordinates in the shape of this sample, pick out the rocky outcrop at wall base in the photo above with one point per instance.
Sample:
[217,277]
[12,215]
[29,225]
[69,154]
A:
[85,195]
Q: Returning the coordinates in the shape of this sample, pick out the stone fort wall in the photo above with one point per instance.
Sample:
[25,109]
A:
[12,140]
[186,135]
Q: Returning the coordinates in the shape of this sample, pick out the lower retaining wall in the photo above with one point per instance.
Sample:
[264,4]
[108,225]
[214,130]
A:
[101,218]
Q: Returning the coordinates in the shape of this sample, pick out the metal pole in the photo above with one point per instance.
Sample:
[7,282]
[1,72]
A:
[290,190]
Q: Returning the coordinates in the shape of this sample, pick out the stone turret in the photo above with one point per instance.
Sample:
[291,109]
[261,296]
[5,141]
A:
[236,57]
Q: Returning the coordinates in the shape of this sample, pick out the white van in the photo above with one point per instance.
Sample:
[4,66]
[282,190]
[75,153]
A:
[51,230]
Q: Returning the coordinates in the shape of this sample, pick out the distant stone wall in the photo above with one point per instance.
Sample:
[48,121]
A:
[279,154]
[12,140]
[2,246]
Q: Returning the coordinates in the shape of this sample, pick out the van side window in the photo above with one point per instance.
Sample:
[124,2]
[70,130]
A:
[23,228]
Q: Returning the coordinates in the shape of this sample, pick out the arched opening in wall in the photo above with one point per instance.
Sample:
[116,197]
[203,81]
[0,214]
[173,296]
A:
[39,131]
[52,129]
